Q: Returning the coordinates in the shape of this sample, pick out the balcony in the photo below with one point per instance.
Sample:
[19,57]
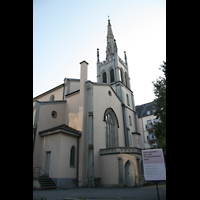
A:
[120,150]
[149,122]
[149,126]
[153,145]
[151,138]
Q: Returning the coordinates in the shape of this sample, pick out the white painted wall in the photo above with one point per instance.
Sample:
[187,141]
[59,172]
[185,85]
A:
[74,85]
[72,111]
[141,132]
[101,101]
[58,95]
[59,145]
[145,132]
[109,172]
[46,121]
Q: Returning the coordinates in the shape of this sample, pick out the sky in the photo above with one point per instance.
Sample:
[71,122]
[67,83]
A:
[66,32]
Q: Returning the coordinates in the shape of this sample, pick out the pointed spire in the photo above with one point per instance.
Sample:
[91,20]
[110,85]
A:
[97,55]
[109,33]
[125,58]
[115,46]
[110,50]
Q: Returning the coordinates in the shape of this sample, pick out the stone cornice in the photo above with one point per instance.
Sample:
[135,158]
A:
[120,150]
[60,129]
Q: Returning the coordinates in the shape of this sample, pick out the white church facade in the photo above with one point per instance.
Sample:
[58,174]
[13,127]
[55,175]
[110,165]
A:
[86,133]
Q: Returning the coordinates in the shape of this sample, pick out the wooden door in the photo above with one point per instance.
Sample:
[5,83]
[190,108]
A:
[129,174]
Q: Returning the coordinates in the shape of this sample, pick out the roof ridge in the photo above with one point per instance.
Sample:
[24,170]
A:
[62,126]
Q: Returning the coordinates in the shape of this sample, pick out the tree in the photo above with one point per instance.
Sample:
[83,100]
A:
[160,102]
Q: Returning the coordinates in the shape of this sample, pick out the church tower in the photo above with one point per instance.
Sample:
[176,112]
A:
[114,71]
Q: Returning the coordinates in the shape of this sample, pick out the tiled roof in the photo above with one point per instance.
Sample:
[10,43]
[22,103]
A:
[141,110]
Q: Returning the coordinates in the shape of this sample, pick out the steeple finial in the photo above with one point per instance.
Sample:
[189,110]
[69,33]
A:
[110,50]
[125,58]
[97,55]
[109,20]
[109,27]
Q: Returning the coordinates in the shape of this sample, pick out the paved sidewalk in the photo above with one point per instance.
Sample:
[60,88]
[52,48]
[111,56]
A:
[127,193]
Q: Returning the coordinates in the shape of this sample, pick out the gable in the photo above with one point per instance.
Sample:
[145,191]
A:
[57,92]
[65,129]
[104,97]
[105,88]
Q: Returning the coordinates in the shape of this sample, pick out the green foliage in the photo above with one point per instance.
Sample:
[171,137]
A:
[160,101]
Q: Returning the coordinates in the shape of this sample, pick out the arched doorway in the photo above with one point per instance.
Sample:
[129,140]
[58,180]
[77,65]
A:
[129,174]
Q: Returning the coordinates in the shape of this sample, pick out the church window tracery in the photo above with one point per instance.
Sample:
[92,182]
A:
[72,156]
[104,77]
[111,129]
[112,78]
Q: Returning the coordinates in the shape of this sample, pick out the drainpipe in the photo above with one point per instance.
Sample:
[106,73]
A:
[65,83]
[77,162]
[63,91]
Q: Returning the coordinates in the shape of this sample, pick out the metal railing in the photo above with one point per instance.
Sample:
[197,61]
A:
[149,126]
[37,172]
[152,137]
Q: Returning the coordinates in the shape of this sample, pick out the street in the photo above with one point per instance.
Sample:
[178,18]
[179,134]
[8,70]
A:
[107,193]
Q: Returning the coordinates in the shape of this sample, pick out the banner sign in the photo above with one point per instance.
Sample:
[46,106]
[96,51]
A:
[154,165]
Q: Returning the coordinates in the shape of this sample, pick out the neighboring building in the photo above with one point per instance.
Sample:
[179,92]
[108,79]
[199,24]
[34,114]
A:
[145,119]
[86,133]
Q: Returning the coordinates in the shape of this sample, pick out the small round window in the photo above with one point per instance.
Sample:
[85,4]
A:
[109,92]
[54,114]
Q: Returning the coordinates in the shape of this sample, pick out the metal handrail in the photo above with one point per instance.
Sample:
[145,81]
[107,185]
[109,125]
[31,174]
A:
[40,172]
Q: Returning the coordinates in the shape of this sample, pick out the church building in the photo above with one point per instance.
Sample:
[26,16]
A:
[86,133]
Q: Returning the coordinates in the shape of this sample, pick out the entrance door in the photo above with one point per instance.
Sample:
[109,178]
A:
[48,162]
[129,174]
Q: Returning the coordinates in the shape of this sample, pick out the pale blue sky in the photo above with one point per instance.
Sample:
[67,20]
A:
[66,32]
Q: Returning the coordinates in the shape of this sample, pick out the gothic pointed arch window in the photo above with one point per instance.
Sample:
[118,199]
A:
[52,98]
[127,98]
[111,128]
[126,79]
[130,122]
[104,77]
[72,156]
[122,75]
[112,78]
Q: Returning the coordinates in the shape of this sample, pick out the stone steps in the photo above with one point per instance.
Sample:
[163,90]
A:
[46,183]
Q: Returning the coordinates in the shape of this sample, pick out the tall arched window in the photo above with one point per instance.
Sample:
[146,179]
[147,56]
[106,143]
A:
[122,75]
[72,156]
[127,99]
[52,98]
[104,77]
[126,79]
[130,120]
[112,79]
[111,128]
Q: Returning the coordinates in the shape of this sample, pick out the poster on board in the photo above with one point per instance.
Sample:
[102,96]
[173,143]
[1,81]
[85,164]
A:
[153,165]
